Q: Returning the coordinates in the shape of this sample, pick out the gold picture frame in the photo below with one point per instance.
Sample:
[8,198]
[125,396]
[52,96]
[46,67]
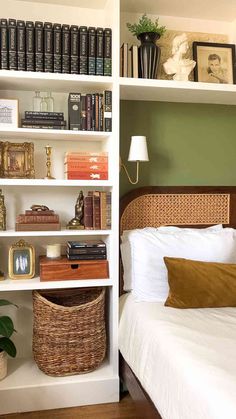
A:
[21,261]
[17,160]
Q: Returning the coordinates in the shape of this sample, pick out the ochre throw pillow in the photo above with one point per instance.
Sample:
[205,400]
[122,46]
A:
[195,284]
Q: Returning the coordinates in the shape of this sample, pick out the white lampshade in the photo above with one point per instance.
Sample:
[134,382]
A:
[138,148]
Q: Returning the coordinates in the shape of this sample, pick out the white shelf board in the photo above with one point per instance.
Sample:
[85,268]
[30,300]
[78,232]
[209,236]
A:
[52,134]
[35,284]
[57,82]
[54,182]
[173,91]
[93,4]
[26,388]
[59,233]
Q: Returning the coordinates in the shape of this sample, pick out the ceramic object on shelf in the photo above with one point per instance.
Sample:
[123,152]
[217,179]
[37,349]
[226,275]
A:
[149,55]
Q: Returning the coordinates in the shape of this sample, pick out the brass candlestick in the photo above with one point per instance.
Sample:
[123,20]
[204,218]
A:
[48,163]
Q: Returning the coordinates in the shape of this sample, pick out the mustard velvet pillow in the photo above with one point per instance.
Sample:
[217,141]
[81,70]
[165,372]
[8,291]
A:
[196,284]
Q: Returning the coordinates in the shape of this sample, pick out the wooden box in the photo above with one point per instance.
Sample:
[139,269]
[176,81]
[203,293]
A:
[63,269]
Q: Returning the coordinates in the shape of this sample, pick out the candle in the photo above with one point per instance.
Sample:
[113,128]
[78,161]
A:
[53,251]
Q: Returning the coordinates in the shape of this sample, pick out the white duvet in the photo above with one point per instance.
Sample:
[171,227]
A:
[184,359]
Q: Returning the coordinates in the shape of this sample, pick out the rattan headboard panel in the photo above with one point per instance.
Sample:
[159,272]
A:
[176,209]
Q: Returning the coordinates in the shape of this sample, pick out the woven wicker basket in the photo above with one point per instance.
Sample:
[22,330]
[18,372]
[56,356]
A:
[69,335]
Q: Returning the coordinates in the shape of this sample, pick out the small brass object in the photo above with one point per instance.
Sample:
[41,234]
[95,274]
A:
[48,162]
[77,223]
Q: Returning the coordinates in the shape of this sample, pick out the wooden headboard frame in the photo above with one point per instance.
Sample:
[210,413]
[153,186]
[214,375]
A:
[186,206]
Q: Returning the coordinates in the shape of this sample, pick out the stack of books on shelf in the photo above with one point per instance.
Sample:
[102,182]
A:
[97,210]
[86,165]
[86,250]
[43,120]
[129,62]
[90,112]
[52,47]
[38,221]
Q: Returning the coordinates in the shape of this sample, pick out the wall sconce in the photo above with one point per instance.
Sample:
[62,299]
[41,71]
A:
[137,152]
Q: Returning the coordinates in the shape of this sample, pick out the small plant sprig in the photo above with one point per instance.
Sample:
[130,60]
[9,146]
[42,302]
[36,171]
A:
[145,24]
[6,330]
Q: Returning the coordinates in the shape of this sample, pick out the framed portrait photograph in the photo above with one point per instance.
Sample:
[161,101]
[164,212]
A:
[214,62]
[21,261]
[9,113]
[17,160]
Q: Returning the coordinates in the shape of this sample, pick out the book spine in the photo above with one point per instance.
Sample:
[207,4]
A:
[86,175]
[29,46]
[96,111]
[107,110]
[83,50]
[103,210]
[91,51]
[108,210]
[4,44]
[35,126]
[88,212]
[74,51]
[100,112]
[65,49]
[57,48]
[89,112]
[42,122]
[21,45]
[87,251]
[74,105]
[96,211]
[84,166]
[31,212]
[12,44]
[93,111]
[83,113]
[48,47]
[38,227]
[86,257]
[44,115]
[25,219]
[98,244]
[86,153]
[107,71]
[39,46]
[99,52]
[86,159]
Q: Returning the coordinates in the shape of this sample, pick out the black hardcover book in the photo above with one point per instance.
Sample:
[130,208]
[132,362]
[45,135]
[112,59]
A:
[107,65]
[29,33]
[89,111]
[100,112]
[4,44]
[12,44]
[91,50]
[86,257]
[96,112]
[85,244]
[99,51]
[32,121]
[36,126]
[57,48]
[39,46]
[20,32]
[74,49]
[107,110]
[65,49]
[93,112]
[83,50]
[87,251]
[48,47]
[44,115]
[83,113]
[74,106]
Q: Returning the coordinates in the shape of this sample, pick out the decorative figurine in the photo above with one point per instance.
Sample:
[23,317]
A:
[48,163]
[77,223]
[177,65]
[2,212]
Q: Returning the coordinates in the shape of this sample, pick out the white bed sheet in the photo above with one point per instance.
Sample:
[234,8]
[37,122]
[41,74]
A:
[184,359]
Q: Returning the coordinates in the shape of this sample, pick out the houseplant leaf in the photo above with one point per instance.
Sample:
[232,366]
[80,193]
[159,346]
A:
[6,326]
[6,303]
[8,346]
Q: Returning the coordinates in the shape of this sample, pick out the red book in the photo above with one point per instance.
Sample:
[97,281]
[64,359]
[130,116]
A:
[85,167]
[86,175]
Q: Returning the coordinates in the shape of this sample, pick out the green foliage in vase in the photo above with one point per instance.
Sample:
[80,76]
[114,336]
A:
[6,330]
[145,24]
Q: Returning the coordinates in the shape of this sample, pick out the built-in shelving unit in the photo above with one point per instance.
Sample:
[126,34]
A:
[53,135]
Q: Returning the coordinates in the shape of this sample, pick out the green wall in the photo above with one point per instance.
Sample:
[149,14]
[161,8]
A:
[189,144]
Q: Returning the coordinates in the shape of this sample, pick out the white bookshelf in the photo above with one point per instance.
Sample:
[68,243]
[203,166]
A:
[36,284]
[53,135]
[55,182]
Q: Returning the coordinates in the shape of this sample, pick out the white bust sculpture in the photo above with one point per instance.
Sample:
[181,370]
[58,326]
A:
[177,65]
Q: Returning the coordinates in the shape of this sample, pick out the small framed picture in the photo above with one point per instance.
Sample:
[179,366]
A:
[21,261]
[17,160]
[215,62]
[9,113]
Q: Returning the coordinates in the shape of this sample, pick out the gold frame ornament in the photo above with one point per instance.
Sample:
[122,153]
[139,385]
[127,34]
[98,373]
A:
[21,261]
[17,160]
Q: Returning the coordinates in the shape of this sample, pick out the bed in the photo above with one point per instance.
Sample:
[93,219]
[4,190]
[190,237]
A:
[178,364]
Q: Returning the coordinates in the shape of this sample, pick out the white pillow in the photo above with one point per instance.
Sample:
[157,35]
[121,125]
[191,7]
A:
[126,253]
[148,272]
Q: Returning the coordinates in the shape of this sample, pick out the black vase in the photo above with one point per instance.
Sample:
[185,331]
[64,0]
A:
[149,55]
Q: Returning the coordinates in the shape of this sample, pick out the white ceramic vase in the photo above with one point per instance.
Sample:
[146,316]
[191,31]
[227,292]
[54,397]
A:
[3,365]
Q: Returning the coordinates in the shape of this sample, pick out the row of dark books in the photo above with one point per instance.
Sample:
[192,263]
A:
[86,250]
[90,112]
[55,48]
[97,210]
[43,120]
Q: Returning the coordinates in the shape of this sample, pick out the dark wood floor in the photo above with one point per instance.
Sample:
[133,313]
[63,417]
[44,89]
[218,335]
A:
[125,409]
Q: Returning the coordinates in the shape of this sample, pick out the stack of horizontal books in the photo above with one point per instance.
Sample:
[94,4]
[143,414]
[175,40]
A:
[86,165]
[43,120]
[38,221]
[86,250]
